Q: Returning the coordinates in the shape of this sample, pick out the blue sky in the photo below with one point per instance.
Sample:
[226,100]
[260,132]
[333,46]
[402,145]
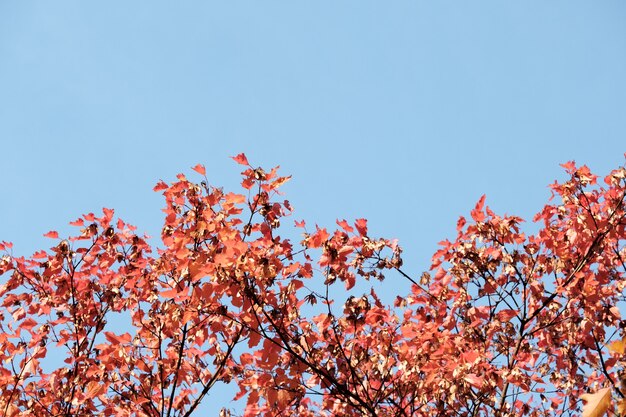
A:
[402,112]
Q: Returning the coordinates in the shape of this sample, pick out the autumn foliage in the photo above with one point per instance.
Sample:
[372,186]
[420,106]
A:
[505,323]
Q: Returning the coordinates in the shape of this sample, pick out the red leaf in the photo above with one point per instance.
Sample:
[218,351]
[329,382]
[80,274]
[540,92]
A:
[28,324]
[200,169]
[506,315]
[320,236]
[160,186]
[78,222]
[52,234]
[345,226]
[108,214]
[477,213]
[361,226]
[241,159]
[247,183]
[40,254]
[460,224]
[117,339]
[254,339]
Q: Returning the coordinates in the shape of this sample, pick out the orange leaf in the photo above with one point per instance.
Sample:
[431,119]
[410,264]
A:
[52,234]
[570,166]
[280,181]
[117,339]
[596,404]
[170,293]
[232,198]
[200,169]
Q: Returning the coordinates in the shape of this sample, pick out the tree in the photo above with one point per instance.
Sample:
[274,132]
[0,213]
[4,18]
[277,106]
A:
[504,324]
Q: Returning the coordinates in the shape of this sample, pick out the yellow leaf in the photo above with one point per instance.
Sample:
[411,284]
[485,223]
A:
[596,404]
[619,346]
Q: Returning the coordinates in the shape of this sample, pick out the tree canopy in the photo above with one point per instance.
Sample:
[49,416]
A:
[505,323]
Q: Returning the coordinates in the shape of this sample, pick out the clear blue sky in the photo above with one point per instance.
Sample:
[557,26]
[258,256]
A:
[402,112]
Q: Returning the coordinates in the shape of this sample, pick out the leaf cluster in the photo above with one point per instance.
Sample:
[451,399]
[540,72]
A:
[504,324]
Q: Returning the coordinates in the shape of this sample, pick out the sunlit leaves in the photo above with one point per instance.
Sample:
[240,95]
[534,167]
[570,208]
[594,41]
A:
[506,323]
